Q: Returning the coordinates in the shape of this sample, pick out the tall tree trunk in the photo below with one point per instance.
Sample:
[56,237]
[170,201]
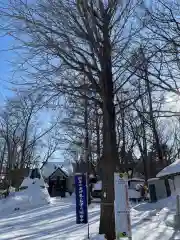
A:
[25,140]
[123,149]
[144,156]
[110,165]
[2,157]
[110,152]
[87,146]
[98,140]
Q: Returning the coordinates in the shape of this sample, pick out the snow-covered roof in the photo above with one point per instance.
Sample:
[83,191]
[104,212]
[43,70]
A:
[136,179]
[50,167]
[153,179]
[174,168]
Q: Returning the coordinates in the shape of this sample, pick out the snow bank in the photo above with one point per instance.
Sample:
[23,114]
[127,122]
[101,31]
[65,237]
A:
[167,213]
[169,203]
[162,209]
[33,194]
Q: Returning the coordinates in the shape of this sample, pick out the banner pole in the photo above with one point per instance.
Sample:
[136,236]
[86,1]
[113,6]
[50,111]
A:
[87,191]
[88,231]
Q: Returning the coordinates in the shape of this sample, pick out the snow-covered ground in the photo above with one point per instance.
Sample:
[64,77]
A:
[53,221]
[57,221]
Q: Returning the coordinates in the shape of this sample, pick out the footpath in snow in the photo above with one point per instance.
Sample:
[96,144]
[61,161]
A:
[57,220]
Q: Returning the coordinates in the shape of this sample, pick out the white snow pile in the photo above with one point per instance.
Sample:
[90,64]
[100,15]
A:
[33,193]
[169,203]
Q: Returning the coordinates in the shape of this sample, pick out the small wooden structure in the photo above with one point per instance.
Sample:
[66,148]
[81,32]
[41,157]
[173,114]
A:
[58,179]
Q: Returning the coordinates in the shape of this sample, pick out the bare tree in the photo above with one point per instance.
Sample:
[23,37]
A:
[86,37]
[19,132]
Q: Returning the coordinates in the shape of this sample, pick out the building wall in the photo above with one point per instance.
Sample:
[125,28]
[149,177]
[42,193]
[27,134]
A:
[160,188]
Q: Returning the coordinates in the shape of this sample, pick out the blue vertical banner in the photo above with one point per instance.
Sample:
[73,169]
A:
[81,199]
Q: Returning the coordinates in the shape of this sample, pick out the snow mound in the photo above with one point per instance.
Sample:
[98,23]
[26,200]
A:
[33,193]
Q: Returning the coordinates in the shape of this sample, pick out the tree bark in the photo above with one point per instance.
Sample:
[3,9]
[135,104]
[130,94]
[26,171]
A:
[123,149]
[25,139]
[2,157]
[154,128]
[144,156]
[110,158]
[86,147]
[111,163]
[98,140]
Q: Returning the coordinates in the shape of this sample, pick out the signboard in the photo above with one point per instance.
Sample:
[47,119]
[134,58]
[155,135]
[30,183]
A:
[121,207]
[81,199]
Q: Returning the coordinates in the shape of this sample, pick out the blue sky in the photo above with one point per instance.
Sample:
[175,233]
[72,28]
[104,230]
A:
[5,67]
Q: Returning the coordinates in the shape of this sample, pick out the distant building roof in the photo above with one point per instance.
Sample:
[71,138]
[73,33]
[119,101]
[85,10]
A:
[49,168]
[172,169]
[58,172]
